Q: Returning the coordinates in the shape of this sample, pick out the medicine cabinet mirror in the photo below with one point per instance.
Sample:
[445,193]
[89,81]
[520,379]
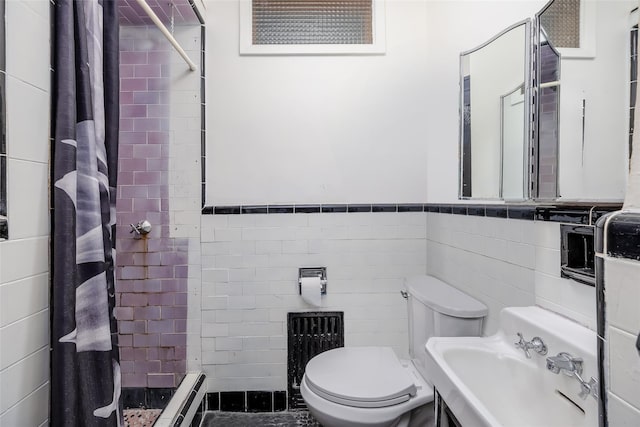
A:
[536,122]
[495,111]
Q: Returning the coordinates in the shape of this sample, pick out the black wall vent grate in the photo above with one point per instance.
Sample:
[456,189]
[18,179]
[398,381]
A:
[309,334]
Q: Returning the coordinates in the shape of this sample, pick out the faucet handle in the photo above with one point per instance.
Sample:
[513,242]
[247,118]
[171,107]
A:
[589,389]
[539,346]
[523,344]
[536,344]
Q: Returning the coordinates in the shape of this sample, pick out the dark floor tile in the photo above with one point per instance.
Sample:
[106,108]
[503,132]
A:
[159,397]
[232,401]
[279,401]
[259,401]
[134,398]
[213,401]
[242,419]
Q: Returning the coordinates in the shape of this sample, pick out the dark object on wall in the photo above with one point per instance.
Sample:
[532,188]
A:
[309,334]
[577,256]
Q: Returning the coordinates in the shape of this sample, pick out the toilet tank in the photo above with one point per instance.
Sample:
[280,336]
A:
[437,309]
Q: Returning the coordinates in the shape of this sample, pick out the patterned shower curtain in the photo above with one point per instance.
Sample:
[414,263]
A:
[85,370]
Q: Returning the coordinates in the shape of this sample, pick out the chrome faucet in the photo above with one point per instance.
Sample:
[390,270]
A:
[572,367]
[535,344]
[565,363]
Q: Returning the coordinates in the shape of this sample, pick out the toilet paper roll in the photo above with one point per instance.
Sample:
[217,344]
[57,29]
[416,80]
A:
[310,289]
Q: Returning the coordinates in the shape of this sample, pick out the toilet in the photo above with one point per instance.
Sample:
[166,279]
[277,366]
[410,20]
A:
[371,386]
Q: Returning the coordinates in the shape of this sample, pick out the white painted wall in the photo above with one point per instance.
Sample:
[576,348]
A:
[318,129]
[24,258]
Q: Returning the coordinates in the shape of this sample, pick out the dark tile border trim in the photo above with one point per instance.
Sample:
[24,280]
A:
[570,214]
[280,209]
[496,211]
[359,208]
[247,401]
[143,397]
[409,207]
[253,210]
[306,208]
[623,236]
[4,230]
[334,208]
[459,210]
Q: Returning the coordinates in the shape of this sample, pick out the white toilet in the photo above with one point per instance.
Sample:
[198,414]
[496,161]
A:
[370,386]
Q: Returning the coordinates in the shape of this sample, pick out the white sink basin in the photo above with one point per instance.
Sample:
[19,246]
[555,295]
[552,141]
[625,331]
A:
[489,382]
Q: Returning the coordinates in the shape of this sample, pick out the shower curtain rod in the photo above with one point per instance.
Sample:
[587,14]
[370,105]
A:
[166,33]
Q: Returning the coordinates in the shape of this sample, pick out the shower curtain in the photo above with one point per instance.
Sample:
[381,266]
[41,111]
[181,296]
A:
[85,370]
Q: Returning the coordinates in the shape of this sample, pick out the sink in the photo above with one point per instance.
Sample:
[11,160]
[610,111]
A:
[487,381]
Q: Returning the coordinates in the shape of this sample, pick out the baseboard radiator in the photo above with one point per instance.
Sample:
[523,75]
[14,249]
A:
[309,334]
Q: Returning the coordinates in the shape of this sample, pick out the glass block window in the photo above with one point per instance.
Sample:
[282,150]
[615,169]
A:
[292,22]
[561,21]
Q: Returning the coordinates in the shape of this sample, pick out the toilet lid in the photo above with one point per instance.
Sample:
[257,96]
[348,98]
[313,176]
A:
[365,377]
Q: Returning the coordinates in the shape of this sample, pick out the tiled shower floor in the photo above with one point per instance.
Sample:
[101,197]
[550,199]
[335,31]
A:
[260,419]
[140,417]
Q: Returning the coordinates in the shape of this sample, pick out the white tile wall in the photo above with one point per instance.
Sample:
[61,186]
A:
[24,337]
[491,259]
[22,298]
[624,366]
[249,283]
[504,263]
[23,377]
[28,44]
[623,294]
[27,194]
[623,325]
[621,414]
[24,258]
[184,181]
[32,410]
[249,276]
[28,120]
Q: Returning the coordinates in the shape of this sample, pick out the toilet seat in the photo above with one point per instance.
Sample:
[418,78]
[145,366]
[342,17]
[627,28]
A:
[361,377]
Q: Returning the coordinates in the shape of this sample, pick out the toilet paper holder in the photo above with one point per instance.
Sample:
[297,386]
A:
[320,272]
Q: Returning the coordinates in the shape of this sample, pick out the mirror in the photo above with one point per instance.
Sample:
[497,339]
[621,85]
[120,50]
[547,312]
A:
[547,113]
[583,156]
[513,143]
[495,111]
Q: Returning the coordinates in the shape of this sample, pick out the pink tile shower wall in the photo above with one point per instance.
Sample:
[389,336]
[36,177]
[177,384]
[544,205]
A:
[152,271]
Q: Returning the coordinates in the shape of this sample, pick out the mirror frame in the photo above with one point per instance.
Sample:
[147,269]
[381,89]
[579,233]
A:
[528,111]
